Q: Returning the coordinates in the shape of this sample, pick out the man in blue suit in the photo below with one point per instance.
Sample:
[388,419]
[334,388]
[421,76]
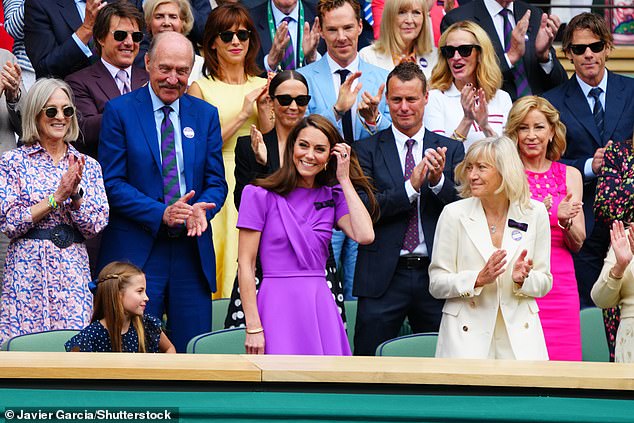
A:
[597,106]
[160,150]
[412,170]
[335,83]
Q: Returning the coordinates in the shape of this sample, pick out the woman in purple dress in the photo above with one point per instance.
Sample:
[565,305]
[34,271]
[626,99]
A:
[289,217]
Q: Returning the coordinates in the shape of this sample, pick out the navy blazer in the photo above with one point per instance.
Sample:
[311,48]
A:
[92,88]
[538,80]
[582,135]
[379,159]
[259,15]
[48,29]
[130,158]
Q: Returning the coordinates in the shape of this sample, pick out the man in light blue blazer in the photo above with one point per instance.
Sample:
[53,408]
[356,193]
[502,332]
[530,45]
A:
[349,92]
[160,150]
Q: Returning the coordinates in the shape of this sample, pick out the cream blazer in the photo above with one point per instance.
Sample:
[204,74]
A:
[462,246]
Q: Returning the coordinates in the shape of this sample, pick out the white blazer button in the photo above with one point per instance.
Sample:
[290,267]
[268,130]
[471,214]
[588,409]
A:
[526,325]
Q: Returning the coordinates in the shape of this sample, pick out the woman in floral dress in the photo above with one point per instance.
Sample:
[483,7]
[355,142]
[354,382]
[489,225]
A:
[51,199]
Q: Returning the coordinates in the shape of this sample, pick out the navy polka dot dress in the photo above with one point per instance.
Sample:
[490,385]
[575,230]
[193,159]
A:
[95,338]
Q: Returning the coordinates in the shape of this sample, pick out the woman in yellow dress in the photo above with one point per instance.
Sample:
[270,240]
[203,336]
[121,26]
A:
[231,84]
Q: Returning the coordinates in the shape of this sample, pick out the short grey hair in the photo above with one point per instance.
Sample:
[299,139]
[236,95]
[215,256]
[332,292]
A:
[186,15]
[35,100]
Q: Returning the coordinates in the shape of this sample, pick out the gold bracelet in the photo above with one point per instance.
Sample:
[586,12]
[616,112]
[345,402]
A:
[567,227]
[254,331]
[613,276]
[458,136]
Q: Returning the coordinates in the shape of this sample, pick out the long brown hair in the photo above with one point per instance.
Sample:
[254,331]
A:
[223,18]
[112,280]
[284,180]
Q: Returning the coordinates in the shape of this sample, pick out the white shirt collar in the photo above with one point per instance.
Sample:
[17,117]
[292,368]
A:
[494,8]
[400,137]
[585,88]
[113,70]
[334,66]
[278,15]
[157,103]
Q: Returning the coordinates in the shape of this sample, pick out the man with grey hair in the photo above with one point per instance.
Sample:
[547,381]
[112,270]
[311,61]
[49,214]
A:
[160,150]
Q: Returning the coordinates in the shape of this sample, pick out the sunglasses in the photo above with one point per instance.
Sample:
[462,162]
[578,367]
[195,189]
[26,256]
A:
[579,49]
[51,112]
[464,50]
[120,35]
[227,36]
[286,100]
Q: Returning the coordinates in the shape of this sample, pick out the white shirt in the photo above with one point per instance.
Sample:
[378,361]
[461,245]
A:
[336,80]
[444,112]
[417,151]
[585,89]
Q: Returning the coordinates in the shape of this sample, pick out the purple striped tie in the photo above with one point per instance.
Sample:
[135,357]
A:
[171,187]
[288,61]
[519,72]
[411,240]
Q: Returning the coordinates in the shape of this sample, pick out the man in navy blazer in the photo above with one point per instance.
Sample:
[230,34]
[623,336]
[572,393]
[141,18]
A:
[58,38]
[531,44]
[102,81]
[586,142]
[170,241]
[391,279]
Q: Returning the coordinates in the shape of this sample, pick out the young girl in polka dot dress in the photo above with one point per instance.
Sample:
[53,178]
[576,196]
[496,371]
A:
[118,321]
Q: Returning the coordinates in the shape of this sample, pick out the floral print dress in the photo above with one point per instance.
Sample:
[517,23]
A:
[46,287]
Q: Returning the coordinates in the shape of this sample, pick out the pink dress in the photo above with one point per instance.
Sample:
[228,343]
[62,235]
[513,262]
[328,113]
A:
[559,309]
[297,309]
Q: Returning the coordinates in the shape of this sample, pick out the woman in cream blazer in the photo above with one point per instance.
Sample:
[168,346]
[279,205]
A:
[491,258]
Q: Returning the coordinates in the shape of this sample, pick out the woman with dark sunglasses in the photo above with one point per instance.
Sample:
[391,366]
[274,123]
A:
[52,199]
[466,101]
[230,46]
[257,156]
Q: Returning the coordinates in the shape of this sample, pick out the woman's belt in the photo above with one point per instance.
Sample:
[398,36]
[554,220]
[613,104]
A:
[296,273]
[62,235]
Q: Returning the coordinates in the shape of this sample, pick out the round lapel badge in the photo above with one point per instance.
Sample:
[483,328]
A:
[188,132]
[516,235]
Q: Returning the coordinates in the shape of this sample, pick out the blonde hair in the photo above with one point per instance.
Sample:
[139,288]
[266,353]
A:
[522,107]
[186,15]
[390,41]
[488,74]
[501,153]
[112,280]
[35,100]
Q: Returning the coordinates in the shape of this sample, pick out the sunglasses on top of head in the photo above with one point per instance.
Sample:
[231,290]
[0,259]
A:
[580,49]
[120,35]
[227,36]
[463,50]
[51,112]
[286,100]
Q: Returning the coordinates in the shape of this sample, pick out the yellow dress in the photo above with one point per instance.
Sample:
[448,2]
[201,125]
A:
[228,99]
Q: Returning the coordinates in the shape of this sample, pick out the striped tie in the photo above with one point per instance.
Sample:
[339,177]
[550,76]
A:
[598,112]
[411,240]
[288,61]
[123,77]
[171,187]
[366,6]
[519,72]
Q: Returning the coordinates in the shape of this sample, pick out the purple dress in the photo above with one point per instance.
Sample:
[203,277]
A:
[297,309]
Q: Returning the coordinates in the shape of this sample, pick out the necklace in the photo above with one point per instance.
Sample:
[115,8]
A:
[493,228]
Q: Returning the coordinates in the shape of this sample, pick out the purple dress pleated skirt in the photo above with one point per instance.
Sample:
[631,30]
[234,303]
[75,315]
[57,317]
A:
[298,312]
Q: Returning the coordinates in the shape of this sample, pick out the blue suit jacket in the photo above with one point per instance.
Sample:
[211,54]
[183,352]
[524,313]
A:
[48,29]
[323,93]
[130,158]
[582,136]
[379,159]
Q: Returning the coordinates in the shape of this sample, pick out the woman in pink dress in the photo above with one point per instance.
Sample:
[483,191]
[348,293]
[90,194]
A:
[289,217]
[541,139]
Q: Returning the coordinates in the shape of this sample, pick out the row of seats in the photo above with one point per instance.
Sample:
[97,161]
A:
[231,341]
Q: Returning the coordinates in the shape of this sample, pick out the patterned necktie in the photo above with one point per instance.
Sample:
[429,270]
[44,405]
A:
[411,240]
[597,111]
[123,77]
[348,134]
[519,72]
[288,61]
[366,6]
[171,187]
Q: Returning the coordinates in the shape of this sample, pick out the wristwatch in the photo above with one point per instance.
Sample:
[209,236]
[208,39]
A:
[78,196]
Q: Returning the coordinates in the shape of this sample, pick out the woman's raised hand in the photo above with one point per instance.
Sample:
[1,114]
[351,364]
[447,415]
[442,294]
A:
[623,246]
[467,99]
[493,268]
[70,179]
[258,146]
[342,152]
